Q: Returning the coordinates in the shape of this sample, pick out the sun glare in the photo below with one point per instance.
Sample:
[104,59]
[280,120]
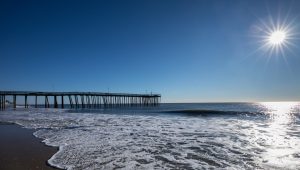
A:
[280,144]
[277,40]
[277,37]
[280,112]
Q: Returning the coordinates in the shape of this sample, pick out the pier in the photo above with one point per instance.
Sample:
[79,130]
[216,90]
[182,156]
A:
[90,100]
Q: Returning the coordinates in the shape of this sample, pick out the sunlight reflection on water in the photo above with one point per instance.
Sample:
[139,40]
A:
[281,148]
[281,112]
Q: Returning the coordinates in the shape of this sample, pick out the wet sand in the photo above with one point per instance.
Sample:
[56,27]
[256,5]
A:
[19,149]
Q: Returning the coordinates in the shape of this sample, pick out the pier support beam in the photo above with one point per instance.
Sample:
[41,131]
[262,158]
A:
[76,101]
[45,101]
[35,101]
[55,102]
[62,102]
[26,105]
[47,105]
[2,102]
[70,101]
[82,101]
[1,107]
[15,101]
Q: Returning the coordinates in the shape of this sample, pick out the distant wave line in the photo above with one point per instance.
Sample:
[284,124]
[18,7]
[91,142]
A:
[195,112]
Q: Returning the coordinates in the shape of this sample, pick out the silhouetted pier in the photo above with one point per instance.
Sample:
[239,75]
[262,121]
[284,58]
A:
[79,99]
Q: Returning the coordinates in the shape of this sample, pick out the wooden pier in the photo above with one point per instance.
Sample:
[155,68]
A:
[80,99]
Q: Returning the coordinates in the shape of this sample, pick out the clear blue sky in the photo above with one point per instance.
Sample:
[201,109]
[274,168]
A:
[187,50]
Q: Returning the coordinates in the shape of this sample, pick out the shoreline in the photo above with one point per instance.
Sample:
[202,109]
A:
[20,149]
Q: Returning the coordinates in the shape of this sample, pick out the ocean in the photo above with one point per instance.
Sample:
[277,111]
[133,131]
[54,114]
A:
[169,136]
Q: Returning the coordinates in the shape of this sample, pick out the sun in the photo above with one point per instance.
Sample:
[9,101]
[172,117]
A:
[277,37]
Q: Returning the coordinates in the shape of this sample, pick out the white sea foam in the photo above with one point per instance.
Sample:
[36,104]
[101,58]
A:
[109,141]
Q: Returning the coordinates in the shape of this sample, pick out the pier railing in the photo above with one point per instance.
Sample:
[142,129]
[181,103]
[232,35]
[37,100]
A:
[80,99]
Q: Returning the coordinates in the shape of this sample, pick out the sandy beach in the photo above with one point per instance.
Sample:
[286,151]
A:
[21,150]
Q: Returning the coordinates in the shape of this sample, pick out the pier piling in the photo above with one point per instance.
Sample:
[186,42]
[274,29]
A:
[35,101]
[26,105]
[15,101]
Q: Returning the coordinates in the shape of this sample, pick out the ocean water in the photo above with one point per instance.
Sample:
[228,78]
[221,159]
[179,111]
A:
[170,136]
